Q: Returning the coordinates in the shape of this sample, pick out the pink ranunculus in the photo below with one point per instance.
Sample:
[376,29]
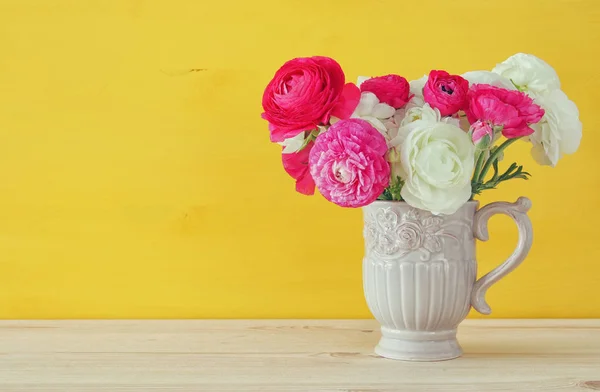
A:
[391,89]
[296,165]
[447,93]
[479,130]
[512,110]
[304,93]
[348,101]
[348,163]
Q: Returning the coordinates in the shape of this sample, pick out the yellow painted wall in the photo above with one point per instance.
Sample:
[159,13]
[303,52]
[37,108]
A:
[137,178]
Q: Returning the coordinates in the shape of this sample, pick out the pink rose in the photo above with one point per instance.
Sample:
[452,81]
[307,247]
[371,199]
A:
[348,164]
[296,165]
[304,93]
[391,89]
[447,93]
[512,110]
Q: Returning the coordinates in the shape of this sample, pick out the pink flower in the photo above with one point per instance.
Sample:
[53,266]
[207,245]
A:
[304,93]
[479,131]
[296,165]
[447,93]
[512,110]
[348,164]
[348,101]
[391,89]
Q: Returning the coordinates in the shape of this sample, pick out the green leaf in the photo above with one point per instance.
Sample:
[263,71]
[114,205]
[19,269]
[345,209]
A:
[513,171]
[386,196]
[495,166]
[392,192]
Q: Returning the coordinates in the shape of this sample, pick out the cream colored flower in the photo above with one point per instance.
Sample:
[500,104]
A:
[559,132]
[437,162]
[531,74]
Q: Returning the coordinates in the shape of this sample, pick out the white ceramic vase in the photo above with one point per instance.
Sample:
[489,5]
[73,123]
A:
[419,273]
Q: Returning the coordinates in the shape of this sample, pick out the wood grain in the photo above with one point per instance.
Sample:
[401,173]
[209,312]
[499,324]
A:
[289,355]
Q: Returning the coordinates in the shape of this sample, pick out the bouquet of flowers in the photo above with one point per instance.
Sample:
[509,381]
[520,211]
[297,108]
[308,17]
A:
[435,142]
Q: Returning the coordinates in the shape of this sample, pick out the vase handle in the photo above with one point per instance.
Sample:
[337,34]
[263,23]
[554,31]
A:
[518,212]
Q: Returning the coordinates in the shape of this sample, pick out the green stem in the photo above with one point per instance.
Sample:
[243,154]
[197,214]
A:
[478,166]
[493,157]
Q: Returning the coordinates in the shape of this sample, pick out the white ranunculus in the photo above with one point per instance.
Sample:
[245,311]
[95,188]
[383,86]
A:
[425,113]
[369,105]
[370,109]
[559,131]
[531,74]
[416,86]
[487,77]
[415,112]
[437,162]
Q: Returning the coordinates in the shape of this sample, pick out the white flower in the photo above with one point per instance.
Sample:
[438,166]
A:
[487,77]
[394,122]
[369,105]
[437,162]
[416,86]
[529,73]
[559,131]
[405,121]
[414,112]
[370,109]
[425,113]
[292,144]
[361,79]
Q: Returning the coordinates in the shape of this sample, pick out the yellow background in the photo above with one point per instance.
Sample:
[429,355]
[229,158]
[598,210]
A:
[137,179]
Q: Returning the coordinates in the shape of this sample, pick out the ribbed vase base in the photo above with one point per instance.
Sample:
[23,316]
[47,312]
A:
[418,345]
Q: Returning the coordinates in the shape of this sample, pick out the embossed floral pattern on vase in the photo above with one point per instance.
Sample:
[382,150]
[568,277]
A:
[390,234]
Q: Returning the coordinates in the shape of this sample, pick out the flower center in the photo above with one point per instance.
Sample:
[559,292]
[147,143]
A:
[447,89]
[292,82]
[341,173]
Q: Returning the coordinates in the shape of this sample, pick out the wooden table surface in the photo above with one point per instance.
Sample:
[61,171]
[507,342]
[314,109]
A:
[289,355]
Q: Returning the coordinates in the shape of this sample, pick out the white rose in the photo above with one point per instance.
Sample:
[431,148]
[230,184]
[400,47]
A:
[529,73]
[559,131]
[487,77]
[437,162]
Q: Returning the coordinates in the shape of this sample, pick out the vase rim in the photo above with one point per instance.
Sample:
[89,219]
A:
[403,203]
